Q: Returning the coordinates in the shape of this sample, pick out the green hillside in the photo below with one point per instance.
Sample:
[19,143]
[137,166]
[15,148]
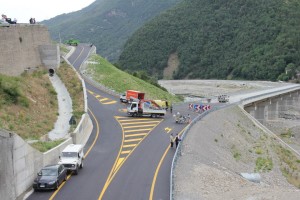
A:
[108,75]
[223,39]
[106,24]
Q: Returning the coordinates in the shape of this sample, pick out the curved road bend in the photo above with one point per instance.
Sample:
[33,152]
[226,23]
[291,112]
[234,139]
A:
[126,158]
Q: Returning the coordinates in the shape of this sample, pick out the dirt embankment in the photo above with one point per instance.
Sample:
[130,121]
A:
[227,143]
[218,148]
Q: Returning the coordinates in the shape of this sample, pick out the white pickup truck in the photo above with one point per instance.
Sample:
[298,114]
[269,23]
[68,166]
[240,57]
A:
[72,157]
[145,108]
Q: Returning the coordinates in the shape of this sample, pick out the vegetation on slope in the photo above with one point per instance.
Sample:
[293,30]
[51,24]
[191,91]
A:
[73,84]
[108,75]
[28,104]
[245,39]
[106,24]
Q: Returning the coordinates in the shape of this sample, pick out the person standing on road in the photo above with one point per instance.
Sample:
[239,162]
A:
[171,139]
[177,139]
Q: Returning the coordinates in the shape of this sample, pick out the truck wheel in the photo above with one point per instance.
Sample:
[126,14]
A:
[153,115]
[134,114]
[81,165]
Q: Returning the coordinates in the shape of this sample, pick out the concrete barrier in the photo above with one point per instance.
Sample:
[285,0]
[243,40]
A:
[51,156]
[83,130]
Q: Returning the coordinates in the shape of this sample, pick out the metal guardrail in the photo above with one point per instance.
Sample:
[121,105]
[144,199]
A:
[178,149]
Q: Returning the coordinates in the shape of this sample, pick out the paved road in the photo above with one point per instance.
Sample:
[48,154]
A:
[126,158]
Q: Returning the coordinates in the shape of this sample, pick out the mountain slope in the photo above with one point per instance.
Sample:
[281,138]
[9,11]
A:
[245,39]
[106,24]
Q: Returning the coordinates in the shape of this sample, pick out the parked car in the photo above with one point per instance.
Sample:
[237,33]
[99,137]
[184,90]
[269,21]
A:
[50,177]
[123,98]
[4,23]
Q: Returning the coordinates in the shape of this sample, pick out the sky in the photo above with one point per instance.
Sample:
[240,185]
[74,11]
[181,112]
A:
[41,10]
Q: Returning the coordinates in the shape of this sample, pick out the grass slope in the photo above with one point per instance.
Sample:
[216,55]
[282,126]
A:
[106,74]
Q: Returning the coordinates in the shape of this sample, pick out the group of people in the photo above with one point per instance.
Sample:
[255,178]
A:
[8,20]
[175,139]
[32,20]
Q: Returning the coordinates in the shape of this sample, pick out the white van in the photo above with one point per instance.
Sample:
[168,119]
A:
[72,157]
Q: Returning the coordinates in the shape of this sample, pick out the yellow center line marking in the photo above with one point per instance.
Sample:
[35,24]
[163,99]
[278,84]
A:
[125,152]
[85,155]
[135,135]
[97,96]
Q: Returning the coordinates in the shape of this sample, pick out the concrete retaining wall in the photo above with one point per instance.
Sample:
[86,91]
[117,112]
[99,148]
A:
[51,156]
[83,130]
[7,186]
[19,165]
[50,56]
[21,45]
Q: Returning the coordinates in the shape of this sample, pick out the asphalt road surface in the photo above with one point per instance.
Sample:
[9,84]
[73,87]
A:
[125,157]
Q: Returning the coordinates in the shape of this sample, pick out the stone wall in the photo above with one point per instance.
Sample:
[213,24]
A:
[20,47]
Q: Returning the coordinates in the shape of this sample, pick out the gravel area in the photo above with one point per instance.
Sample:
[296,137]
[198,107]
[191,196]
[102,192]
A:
[225,143]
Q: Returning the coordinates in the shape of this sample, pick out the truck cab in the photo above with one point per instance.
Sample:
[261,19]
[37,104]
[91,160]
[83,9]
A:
[72,157]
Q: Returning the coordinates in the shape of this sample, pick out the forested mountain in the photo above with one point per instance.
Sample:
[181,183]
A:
[222,39]
[106,23]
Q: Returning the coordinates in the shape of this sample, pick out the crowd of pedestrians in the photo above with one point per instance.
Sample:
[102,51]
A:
[8,20]
[14,21]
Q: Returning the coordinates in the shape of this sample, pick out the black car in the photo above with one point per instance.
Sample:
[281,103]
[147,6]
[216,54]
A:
[50,177]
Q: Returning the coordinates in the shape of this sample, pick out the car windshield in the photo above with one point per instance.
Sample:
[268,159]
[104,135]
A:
[48,172]
[69,154]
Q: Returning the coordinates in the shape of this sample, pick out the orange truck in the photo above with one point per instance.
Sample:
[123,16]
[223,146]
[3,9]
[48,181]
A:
[132,95]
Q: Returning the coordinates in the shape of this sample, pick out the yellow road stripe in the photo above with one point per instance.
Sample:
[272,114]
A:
[156,173]
[132,140]
[136,119]
[114,169]
[139,126]
[111,102]
[120,160]
[97,96]
[140,122]
[103,99]
[125,152]
[137,130]
[135,135]
[129,145]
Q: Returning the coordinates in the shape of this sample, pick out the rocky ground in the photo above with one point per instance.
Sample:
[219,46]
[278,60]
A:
[225,144]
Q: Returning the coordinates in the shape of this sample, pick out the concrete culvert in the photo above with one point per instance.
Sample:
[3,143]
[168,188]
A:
[51,72]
